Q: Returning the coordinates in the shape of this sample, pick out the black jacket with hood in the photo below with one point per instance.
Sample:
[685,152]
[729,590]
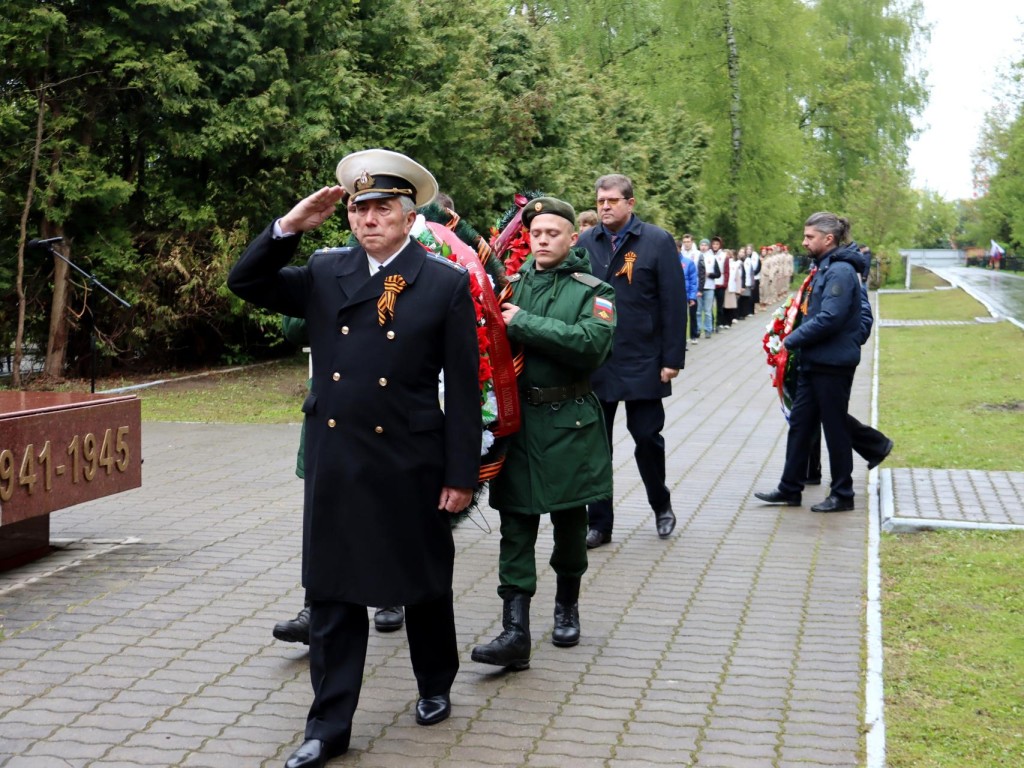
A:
[831,334]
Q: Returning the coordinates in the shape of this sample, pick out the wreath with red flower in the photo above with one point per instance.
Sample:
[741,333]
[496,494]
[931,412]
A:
[783,322]
[485,373]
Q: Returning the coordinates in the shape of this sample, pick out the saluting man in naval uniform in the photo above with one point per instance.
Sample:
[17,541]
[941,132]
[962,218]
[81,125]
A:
[385,466]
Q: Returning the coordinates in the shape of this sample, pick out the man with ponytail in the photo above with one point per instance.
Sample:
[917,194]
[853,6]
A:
[827,345]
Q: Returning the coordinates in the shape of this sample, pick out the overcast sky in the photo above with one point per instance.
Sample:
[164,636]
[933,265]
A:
[970,40]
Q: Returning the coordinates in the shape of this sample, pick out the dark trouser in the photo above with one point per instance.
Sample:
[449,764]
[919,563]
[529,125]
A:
[694,328]
[517,564]
[719,308]
[337,654]
[746,305]
[821,399]
[644,419]
[867,441]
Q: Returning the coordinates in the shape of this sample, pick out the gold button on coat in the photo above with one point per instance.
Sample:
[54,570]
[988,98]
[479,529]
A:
[382,381]
[379,430]
[331,423]
[336,376]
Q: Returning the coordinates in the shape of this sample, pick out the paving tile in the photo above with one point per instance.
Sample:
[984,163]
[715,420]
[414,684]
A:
[739,636]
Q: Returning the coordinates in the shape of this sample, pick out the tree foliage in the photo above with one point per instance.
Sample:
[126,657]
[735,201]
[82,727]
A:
[1001,210]
[174,130]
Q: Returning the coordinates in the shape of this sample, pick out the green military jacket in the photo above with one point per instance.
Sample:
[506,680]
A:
[559,459]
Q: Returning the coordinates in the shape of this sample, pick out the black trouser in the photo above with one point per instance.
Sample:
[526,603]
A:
[719,308]
[822,402]
[337,654]
[644,419]
[867,441]
[694,328]
[745,305]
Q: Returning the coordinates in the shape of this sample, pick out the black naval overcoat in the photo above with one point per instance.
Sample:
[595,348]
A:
[379,448]
[651,330]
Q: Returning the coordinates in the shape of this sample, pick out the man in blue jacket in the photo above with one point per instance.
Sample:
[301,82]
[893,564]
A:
[828,343]
[640,261]
[871,444]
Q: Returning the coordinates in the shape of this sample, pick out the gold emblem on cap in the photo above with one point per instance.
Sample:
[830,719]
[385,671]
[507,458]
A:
[538,206]
[365,181]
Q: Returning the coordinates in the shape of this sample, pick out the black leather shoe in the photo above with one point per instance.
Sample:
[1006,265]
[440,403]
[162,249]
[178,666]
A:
[813,480]
[389,619]
[885,454]
[833,504]
[296,630]
[596,538]
[778,497]
[665,522]
[313,754]
[431,710]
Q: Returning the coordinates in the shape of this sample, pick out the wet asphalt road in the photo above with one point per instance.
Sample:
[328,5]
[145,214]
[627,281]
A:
[1003,291]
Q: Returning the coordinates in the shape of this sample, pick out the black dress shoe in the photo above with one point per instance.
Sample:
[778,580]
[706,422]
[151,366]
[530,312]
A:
[313,754]
[813,480]
[431,710]
[596,538]
[885,454]
[665,522]
[389,619]
[296,630]
[778,497]
[834,504]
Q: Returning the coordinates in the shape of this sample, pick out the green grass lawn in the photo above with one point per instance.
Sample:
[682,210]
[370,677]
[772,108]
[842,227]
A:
[952,601]
[953,397]
[266,394]
[925,278]
[933,305]
[953,625]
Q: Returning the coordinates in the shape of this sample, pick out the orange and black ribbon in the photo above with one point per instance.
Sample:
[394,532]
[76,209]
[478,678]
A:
[805,290]
[627,268]
[393,285]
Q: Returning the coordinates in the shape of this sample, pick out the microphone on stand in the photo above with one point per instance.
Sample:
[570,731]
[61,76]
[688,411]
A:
[37,243]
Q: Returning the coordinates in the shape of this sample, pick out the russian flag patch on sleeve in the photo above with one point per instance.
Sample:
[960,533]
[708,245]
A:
[604,309]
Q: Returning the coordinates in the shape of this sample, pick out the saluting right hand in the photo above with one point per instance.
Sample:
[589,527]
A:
[312,211]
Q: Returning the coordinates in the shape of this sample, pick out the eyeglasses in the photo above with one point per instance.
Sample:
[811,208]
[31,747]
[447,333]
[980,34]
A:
[609,200]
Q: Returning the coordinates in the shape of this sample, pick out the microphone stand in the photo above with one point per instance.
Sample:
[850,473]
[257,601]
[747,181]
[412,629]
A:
[91,278]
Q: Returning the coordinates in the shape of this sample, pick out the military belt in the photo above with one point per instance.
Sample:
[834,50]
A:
[541,395]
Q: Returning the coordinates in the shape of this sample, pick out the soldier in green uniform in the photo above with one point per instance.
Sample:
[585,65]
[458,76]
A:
[559,461]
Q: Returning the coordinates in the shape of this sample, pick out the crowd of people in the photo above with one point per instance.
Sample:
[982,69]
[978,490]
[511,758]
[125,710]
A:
[599,318]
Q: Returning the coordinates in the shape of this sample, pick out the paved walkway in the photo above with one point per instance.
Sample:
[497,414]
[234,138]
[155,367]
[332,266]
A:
[914,499]
[145,641]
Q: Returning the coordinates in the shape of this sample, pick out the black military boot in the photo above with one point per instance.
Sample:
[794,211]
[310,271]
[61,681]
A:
[295,630]
[567,612]
[511,648]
